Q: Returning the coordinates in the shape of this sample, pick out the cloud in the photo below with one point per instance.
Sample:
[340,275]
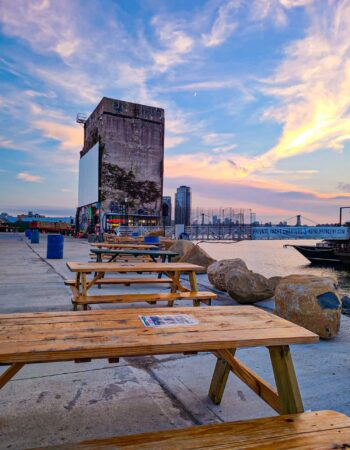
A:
[224,25]
[224,149]
[32,93]
[173,141]
[209,85]
[47,26]
[66,190]
[175,41]
[345,187]
[78,84]
[69,136]
[218,139]
[25,176]
[311,89]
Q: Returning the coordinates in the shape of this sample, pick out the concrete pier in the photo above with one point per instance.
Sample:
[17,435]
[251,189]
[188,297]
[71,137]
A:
[67,402]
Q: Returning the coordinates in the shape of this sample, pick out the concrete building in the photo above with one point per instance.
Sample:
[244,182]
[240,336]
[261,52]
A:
[121,167]
[166,210]
[183,205]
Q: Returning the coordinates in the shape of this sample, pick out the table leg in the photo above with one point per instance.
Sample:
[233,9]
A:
[84,289]
[219,380]
[161,273]
[194,287]
[9,373]
[286,380]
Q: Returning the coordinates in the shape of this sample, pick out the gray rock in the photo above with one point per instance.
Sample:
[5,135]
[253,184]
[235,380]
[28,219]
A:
[180,247]
[345,301]
[273,281]
[311,302]
[247,287]
[196,255]
[218,270]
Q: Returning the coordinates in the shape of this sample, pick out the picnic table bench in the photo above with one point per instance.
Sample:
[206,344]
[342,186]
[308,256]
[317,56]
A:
[173,271]
[63,336]
[303,431]
[153,255]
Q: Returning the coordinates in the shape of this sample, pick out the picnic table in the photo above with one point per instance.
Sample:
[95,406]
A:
[116,245]
[153,255]
[81,285]
[63,336]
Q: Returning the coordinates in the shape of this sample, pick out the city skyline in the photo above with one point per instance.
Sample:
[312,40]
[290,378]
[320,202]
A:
[255,95]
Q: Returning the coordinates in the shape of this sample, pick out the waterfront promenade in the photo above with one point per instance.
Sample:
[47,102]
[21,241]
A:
[58,402]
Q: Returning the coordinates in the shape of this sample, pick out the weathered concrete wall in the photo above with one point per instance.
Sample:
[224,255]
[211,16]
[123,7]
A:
[131,138]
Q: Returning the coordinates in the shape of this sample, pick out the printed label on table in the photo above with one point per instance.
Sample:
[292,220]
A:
[168,320]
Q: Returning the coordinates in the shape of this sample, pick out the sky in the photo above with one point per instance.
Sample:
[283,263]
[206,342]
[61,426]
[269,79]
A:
[256,97]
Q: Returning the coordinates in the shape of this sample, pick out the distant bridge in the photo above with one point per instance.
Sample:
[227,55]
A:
[239,232]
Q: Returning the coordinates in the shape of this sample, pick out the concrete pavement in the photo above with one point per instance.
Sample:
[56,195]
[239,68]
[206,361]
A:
[66,402]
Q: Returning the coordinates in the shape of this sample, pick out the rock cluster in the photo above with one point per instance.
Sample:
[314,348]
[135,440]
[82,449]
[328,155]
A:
[311,302]
[248,287]
[191,253]
[243,285]
[218,270]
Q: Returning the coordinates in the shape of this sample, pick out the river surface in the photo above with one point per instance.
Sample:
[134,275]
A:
[270,258]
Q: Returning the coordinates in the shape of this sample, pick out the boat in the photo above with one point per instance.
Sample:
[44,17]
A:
[322,253]
[328,251]
[342,252]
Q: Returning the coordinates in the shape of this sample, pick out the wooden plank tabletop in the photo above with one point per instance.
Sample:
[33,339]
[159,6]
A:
[132,267]
[116,245]
[132,252]
[61,336]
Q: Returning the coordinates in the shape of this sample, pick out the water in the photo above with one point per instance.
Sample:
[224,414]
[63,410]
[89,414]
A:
[270,259]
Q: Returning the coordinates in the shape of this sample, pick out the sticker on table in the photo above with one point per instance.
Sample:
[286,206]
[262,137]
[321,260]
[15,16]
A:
[168,320]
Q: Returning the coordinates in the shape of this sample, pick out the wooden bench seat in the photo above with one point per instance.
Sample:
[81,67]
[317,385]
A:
[197,297]
[126,281]
[312,430]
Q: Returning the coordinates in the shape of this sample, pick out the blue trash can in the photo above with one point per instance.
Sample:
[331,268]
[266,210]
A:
[29,233]
[35,237]
[55,246]
[151,240]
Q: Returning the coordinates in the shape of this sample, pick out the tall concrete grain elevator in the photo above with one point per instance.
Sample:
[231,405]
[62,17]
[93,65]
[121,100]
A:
[120,167]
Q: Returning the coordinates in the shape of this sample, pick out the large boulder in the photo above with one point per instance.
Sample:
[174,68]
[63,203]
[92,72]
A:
[196,255]
[180,247]
[273,281]
[311,302]
[345,305]
[218,270]
[166,243]
[247,287]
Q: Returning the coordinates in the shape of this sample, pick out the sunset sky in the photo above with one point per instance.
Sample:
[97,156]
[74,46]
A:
[256,95]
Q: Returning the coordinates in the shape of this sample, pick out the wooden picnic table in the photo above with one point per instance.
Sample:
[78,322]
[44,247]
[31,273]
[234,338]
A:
[164,255]
[173,271]
[64,336]
[125,245]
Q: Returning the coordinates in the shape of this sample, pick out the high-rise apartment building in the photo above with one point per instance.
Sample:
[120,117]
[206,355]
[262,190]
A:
[183,205]
[166,210]
[121,166]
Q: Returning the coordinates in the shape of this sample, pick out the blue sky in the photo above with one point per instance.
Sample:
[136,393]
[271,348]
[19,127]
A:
[256,94]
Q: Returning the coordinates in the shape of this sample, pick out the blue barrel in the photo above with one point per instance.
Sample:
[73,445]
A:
[35,237]
[29,233]
[55,246]
[26,233]
[151,240]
